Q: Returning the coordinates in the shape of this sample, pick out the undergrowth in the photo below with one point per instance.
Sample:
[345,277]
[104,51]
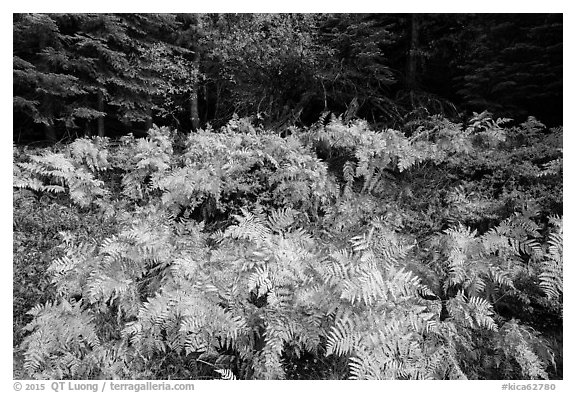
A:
[336,252]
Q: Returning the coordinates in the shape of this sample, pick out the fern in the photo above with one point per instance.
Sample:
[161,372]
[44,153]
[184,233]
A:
[551,276]
[250,227]
[52,172]
[377,153]
[91,153]
[363,277]
[525,349]
[226,374]
[149,159]
[343,339]
[66,329]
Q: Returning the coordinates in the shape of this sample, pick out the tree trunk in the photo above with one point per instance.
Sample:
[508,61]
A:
[101,130]
[351,111]
[194,113]
[47,103]
[194,116]
[149,122]
[89,129]
[412,61]
[49,131]
[217,103]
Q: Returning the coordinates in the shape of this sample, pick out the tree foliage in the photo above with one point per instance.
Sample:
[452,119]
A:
[101,74]
[75,71]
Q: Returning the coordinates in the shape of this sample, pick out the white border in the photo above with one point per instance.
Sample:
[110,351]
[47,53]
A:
[432,6]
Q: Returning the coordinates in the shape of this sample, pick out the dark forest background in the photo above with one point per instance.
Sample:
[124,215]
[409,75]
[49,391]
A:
[110,74]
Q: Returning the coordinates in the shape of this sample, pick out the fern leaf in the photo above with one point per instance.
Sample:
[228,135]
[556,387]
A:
[342,339]
[226,374]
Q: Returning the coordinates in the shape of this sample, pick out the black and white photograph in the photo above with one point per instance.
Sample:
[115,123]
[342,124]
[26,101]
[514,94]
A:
[287,196]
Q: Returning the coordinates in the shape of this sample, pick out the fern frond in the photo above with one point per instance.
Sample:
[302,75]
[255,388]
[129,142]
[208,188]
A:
[226,374]
[249,227]
[281,219]
[343,338]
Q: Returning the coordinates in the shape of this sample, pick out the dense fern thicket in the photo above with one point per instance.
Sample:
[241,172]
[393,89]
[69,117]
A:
[339,251]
